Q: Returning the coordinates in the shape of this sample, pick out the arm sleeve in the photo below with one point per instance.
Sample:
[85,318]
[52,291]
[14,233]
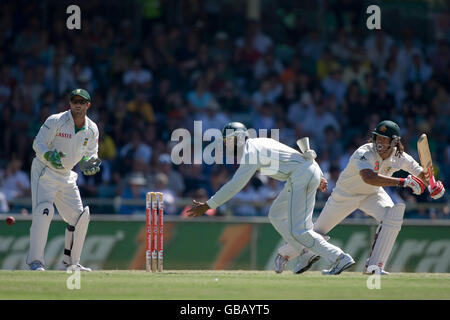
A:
[45,136]
[92,150]
[237,182]
[410,165]
[362,160]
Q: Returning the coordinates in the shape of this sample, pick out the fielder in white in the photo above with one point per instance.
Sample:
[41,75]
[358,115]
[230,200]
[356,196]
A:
[63,140]
[359,186]
[291,212]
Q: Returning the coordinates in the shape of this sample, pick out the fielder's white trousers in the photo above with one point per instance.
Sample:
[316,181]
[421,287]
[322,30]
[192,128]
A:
[291,212]
[341,204]
[48,188]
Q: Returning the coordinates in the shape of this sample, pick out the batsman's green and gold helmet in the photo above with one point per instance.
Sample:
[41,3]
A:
[387,128]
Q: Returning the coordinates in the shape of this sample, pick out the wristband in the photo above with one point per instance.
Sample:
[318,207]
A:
[401,182]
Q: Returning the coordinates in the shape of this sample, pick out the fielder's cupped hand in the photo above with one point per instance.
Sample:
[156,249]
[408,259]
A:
[198,209]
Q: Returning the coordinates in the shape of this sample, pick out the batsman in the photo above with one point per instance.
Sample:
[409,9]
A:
[291,212]
[65,139]
[360,186]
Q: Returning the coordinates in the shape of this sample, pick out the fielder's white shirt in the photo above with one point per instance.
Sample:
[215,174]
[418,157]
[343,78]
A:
[366,157]
[270,157]
[58,132]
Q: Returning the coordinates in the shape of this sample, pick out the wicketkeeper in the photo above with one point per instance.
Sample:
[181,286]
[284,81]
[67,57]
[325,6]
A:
[291,212]
[360,186]
[63,140]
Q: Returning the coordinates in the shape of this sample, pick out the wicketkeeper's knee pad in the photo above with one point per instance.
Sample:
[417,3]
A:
[74,238]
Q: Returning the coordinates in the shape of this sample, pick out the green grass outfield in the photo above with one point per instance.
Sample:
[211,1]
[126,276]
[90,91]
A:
[220,285]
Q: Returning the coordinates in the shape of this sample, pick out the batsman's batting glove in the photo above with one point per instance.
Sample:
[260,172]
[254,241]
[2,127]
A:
[90,166]
[438,190]
[54,157]
[417,185]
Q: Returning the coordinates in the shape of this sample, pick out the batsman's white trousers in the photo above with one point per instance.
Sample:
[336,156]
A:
[291,212]
[48,188]
[340,204]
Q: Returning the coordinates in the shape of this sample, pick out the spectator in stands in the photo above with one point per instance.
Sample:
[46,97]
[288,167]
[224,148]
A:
[136,148]
[199,98]
[419,71]
[244,202]
[213,117]
[333,85]
[326,64]
[136,191]
[14,183]
[141,108]
[175,179]
[266,65]
[161,185]
[267,193]
[142,81]
[259,40]
[137,77]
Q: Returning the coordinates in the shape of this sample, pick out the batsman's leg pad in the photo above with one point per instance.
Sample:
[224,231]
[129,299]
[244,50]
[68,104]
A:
[42,217]
[75,236]
[386,234]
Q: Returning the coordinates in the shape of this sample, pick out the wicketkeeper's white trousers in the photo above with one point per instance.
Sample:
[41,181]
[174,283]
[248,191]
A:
[291,212]
[48,188]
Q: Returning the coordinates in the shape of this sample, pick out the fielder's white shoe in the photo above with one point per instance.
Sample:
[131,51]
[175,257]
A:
[37,266]
[305,260]
[343,262]
[76,267]
[280,263]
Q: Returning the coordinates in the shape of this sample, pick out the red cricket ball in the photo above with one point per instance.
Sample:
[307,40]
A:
[10,220]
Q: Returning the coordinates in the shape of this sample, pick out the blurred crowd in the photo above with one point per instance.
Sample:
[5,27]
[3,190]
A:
[332,87]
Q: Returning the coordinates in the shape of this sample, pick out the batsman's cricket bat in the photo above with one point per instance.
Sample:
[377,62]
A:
[425,159]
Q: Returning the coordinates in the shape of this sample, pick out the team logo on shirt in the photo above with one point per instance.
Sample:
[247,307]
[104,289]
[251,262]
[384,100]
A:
[85,141]
[377,166]
[387,169]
